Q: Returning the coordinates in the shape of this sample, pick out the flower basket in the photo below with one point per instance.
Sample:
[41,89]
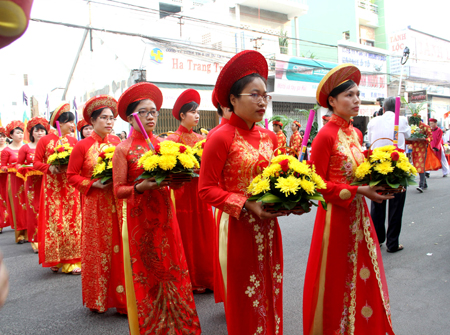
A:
[416,134]
[60,155]
[198,150]
[446,149]
[103,168]
[386,166]
[287,186]
[171,161]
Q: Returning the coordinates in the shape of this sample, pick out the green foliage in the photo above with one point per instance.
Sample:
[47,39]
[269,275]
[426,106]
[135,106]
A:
[415,109]
[285,120]
[283,42]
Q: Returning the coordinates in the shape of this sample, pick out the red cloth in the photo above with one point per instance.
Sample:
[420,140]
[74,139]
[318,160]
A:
[103,279]
[212,131]
[295,143]
[360,135]
[59,229]
[15,200]
[160,274]
[345,288]
[32,194]
[196,222]
[281,142]
[419,148]
[436,142]
[3,196]
[253,256]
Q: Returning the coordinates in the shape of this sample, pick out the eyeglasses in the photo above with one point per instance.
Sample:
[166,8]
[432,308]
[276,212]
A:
[257,97]
[107,118]
[145,114]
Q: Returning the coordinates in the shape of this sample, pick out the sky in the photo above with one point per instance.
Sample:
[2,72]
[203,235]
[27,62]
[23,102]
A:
[46,52]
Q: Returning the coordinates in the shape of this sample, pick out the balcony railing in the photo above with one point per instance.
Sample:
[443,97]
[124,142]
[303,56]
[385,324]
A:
[368,6]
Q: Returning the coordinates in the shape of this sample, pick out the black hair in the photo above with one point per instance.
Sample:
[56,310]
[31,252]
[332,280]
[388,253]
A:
[95,114]
[131,107]
[239,86]
[339,89]
[12,131]
[36,127]
[298,128]
[123,131]
[302,131]
[81,132]
[191,106]
[219,110]
[66,117]
[389,104]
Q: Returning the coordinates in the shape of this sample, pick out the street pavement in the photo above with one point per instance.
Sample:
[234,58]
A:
[41,302]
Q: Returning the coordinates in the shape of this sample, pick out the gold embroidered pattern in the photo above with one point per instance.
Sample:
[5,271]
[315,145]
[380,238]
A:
[119,289]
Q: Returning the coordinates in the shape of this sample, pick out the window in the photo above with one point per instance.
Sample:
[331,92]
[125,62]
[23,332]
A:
[346,35]
[167,9]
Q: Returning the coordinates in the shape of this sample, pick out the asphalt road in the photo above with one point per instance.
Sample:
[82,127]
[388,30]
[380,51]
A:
[418,277]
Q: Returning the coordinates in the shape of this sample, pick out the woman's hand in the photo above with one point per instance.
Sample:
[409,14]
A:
[57,169]
[98,184]
[149,184]
[372,194]
[176,185]
[258,209]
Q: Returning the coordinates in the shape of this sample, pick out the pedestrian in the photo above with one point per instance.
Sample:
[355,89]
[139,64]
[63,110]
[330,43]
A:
[85,129]
[124,135]
[3,184]
[250,262]
[345,288]
[295,142]
[379,129]
[419,154]
[159,290]
[16,191]
[325,119]
[59,228]
[436,145]
[101,248]
[223,112]
[281,138]
[37,128]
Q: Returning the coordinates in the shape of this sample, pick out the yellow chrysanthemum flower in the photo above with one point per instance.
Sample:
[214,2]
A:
[307,185]
[384,167]
[196,163]
[386,148]
[150,163]
[99,160]
[110,149]
[318,181]
[52,158]
[262,186]
[403,166]
[109,155]
[169,148]
[167,162]
[99,168]
[280,158]
[380,155]
[289,185]
[271,170]
[412,170]
[110,166]
[186,161]
[363,170]
[63,154]
[144,157]
[300,167]
[255,181]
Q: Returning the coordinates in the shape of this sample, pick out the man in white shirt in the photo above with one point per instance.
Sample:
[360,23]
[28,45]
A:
[383,127]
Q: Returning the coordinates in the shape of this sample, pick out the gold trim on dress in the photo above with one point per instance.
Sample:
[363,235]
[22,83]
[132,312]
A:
[133,319]
[223,249]
[317,328]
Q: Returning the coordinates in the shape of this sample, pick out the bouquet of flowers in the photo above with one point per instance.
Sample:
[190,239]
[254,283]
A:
[386,166]
[103,168]
[60,155]
[416,132]
[198,150]
[288,184]
[170,159]
[447,149]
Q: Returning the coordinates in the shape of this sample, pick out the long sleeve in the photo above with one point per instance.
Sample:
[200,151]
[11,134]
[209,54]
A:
[437,139]
[214,158]
[336,193]
[22,158]
[120,172]
[38,163]
[5,158]
[76,161]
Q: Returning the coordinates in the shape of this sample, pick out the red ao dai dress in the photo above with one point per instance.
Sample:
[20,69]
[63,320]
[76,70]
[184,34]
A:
[250,262]
[102,276]
[196,222]
[345,288]
[16,195]
[3,196]
[159,291]
[295,143]
[32,194]
[59,231]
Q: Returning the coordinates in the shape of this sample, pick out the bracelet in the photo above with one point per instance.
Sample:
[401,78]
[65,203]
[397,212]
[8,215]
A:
[136,190]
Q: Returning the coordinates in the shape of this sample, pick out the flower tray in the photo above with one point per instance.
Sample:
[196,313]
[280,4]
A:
[390,190]
[297,210]
[178,178]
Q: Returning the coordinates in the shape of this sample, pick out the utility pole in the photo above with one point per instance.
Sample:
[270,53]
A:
[181,23]
[256,47]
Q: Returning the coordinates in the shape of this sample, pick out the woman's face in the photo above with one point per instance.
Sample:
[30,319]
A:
[302,132]
[145,108]
[294,127]
[104,122]
[2,139]
[38,134]
[246,107]
[17,135]
[346,104]
[123,135]
[190,119]
[87,130]
[67,128]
